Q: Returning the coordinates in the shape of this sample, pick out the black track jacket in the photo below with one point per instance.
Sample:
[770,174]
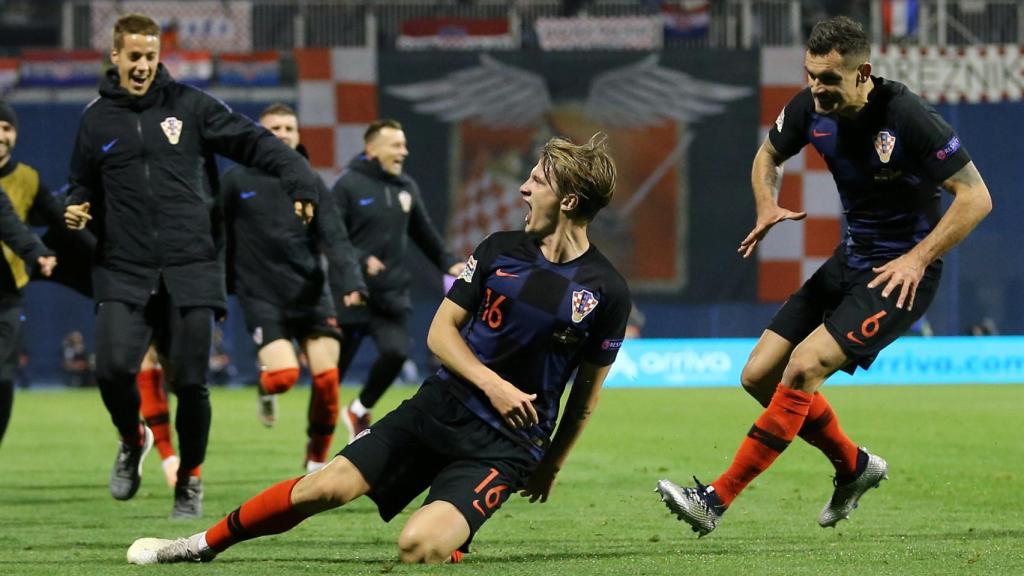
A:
[272,256]
[147,166]
[382,212]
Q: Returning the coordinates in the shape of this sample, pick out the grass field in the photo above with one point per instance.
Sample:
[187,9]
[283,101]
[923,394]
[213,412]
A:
[953,504]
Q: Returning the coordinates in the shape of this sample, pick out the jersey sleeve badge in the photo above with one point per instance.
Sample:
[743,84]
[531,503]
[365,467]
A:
[468,271]
[583,303]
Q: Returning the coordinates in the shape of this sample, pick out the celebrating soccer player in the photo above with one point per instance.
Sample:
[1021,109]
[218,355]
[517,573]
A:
[529,310]
[889,153]
[144,160]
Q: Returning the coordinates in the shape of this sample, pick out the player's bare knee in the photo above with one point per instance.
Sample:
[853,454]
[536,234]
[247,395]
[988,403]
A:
[757,384]
[417,546]
[805,371]
[332,486]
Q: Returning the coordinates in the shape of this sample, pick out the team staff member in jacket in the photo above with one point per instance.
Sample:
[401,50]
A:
[143,164]
[382,208]
[277,275]
[23,198]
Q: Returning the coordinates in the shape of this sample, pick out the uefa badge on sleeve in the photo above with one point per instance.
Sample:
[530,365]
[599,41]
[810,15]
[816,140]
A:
[583,303]
[172,129]
[885,143]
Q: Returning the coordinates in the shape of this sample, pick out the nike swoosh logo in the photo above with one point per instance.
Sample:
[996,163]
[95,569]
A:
[366,201]
[850,336]
[247,194]
[109,145]
[818,134]
[504,274]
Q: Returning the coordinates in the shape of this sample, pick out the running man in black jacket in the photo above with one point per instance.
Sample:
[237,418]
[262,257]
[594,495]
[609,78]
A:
[277,276]
[383,208]
[144,164]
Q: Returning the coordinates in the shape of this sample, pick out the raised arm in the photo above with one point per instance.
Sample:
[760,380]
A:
[766,179]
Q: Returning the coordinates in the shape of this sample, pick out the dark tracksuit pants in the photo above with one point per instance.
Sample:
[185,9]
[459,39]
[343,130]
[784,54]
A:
[182,336]
[10,343]
[390,332]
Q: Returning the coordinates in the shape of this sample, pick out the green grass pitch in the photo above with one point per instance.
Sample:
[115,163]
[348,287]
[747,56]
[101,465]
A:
[953,504]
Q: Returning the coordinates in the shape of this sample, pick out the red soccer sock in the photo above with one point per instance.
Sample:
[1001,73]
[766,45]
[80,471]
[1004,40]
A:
[323,414]
[767,438]
[154,409]
[821,430]
[278,381]
[269,512]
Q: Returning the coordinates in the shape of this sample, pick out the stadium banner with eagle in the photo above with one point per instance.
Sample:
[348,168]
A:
[682,142]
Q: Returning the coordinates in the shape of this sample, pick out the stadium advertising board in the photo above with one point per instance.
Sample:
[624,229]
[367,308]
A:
[585,33]
[971,74]
[707,362]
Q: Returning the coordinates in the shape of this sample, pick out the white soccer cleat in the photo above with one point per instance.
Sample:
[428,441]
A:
[143,551]
[846,496]
[146,551]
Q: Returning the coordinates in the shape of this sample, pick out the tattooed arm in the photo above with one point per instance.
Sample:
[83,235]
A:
[971,203]
[766,178]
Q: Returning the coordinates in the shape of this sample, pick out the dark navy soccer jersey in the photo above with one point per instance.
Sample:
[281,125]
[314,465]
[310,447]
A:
[887,162]
[534,321]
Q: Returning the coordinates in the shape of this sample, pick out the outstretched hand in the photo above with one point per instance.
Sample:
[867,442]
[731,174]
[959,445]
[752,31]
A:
[904,272]
[305,210]
[763,225]
[76,216]
[46,265]
[539,484]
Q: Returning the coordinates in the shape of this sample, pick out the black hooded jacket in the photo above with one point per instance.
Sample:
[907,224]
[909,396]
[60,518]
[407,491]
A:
[382,211]
[146,165]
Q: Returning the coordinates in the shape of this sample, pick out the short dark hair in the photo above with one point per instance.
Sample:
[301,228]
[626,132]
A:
[586,170]
[278,109]
[373,129]
[134,24]
[843,35]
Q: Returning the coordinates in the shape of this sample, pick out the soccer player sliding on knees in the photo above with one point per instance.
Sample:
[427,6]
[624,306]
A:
[530,309]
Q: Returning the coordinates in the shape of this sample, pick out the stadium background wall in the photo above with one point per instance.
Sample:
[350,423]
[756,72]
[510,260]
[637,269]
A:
[716,296]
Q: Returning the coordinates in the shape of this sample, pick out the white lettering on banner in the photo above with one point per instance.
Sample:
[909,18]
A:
[973,74]
[673,366]
[633,33]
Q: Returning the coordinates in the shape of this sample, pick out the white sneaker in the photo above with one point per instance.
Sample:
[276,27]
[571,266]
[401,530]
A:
[170,466]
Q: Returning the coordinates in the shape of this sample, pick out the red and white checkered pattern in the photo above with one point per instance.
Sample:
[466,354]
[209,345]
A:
[792,251]
[487,203]
[337,101]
